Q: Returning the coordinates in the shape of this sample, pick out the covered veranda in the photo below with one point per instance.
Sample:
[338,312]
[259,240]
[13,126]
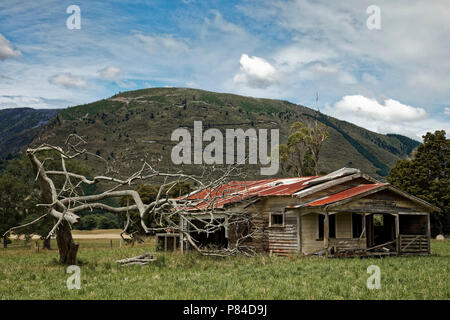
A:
[374,219]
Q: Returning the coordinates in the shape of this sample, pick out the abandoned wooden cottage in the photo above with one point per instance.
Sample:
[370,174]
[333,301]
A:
[343,213]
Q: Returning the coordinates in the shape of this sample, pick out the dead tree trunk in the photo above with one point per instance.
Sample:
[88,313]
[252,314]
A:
[67,248]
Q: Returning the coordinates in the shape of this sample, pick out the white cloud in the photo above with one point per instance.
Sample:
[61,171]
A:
[321,68]
[126,84]
[223,25]
[313,46]
[370,79]
[256,72]
[295,55]
[410,59]
[447,111]
[7,50]
[162,44]
[67,80]
[18,101]
[346,78]
[391,116]
[391,110]
[109,73]
[112,73]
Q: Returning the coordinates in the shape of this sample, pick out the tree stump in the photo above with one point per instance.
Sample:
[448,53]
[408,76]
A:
[67,248]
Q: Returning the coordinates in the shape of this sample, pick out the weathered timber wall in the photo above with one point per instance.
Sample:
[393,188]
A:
[344,225]
[349,243]
[309,240]
[283,240]
[263,234]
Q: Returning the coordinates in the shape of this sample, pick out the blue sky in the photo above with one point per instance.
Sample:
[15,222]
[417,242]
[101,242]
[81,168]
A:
[393,79]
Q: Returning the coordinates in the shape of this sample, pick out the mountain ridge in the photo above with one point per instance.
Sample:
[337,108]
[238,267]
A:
[19,126]
[136,125]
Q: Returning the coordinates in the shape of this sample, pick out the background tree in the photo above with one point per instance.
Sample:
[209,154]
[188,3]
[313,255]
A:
[292,154]
[40,228]
[18,196]
[300,155]
[317,135]
[427,176]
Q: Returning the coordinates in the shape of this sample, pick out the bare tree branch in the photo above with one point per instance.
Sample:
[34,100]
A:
[197,211]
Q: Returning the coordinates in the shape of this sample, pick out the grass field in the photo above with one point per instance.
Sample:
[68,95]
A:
[25,274]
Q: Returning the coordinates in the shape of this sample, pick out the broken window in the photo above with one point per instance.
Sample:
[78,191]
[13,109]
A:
[276,219]
[357,226]
[331,226]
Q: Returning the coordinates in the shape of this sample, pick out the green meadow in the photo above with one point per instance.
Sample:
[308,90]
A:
[27,274]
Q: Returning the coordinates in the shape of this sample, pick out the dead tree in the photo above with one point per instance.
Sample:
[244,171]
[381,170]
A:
[65,202]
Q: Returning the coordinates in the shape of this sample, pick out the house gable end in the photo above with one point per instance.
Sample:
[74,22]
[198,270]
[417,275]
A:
[382,200]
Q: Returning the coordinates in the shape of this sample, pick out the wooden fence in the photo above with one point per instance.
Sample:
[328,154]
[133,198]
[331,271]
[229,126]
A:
[413,243]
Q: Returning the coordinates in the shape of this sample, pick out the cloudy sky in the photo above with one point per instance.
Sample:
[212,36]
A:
[392,79]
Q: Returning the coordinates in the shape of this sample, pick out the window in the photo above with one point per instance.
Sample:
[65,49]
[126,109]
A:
[331,226]
[276,219]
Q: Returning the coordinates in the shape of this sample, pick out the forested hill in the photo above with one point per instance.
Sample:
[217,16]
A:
[136,125]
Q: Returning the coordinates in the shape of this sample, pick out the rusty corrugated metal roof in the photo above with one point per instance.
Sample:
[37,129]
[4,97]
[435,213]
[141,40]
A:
[342,195]
[236,191]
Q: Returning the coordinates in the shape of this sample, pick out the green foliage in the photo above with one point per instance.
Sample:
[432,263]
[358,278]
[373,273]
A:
[101,107]
[300,155]
[18,196]
[308,164]
[88,222]
[105,220]
[407,144]
[212,99]
[427,176]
